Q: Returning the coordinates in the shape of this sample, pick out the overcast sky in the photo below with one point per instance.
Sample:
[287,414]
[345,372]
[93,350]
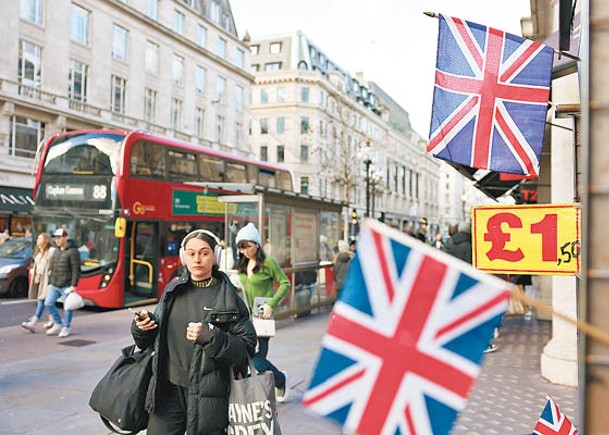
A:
[390,41]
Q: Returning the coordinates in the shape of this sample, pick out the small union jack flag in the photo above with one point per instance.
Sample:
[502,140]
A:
[490,98]
[406,338]
[552,421]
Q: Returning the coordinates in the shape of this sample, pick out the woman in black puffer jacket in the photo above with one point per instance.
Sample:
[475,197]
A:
[201,331]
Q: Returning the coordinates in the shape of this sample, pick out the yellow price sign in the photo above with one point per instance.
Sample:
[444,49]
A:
[539,239]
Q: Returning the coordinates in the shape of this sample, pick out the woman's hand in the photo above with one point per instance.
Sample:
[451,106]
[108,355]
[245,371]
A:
[193,330]
[267,311]
[144,322]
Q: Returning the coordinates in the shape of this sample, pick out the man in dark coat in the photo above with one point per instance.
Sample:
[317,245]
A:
[64,271]
[460,242]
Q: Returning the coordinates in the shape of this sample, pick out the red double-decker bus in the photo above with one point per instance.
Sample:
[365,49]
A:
[90,182]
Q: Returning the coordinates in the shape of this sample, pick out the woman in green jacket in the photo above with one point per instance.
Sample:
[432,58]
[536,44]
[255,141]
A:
[257,274]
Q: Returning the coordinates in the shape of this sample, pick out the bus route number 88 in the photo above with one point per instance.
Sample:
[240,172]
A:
[100,191]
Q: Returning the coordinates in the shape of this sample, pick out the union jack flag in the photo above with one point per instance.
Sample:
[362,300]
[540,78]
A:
[552,421]
[406,338]
[490,98]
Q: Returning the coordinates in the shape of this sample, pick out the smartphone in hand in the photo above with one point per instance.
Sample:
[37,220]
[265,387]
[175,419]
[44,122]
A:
[137,314]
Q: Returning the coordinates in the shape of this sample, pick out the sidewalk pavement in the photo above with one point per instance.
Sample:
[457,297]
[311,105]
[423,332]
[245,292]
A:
[45,385]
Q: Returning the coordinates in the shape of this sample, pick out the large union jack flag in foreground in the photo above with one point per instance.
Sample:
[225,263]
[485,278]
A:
[554,422]
[406,339]
[490,98]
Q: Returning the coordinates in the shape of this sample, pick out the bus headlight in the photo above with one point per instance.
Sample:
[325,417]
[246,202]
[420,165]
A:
[105,280]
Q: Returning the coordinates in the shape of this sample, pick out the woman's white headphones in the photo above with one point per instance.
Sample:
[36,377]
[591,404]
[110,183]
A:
[192,234]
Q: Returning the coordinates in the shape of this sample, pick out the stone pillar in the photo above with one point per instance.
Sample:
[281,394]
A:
[559,358]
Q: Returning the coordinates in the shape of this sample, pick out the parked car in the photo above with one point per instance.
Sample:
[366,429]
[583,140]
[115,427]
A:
[15,259]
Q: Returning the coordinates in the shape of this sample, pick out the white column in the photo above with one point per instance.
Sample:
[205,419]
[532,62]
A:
[559,358]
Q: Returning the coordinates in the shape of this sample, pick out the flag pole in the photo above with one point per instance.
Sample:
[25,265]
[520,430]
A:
[558,52]
[586,328]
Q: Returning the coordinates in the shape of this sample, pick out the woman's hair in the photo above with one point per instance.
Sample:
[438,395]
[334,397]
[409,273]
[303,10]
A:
[45,246]
[243,260]
[206,238]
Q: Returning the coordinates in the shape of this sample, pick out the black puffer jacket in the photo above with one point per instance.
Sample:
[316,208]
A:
[65,266]
[234,338]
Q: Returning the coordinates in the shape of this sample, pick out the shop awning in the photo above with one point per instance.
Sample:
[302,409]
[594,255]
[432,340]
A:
[16,199]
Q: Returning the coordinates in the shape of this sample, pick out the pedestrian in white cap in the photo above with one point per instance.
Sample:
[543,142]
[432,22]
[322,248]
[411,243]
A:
[257,274]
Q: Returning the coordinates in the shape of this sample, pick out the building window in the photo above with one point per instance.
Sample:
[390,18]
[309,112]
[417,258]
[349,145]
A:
[220,129]
[119,43]
[254,68]
[24,136]
[151,57]
[178,22]
[264,126]
[118,92]
[152,9]
[150,105]
[304,185]
[200,122]
[238,97]
[281,124]
[281,95]
[78,81]
[304,153]
[222,48]
[240,60]
[79,25]
[264,96]
[176,113]
[201,36]
[177,69]
[214,11]
[30,63]
[304,95]
[238,130]
[31,10]
[220,89]
[275,47]
[304,124]
[264,153]
[254,50]
[200,79]
[273,66]
[280,153]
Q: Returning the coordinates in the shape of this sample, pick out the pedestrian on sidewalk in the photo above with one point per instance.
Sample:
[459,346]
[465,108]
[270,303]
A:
[40,280]
[200,330]
[342,260]
[63,278]
[258,274]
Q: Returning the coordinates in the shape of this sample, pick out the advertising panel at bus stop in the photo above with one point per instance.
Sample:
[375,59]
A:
[539,239]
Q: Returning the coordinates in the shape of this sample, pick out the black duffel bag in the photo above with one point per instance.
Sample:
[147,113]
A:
[119,397]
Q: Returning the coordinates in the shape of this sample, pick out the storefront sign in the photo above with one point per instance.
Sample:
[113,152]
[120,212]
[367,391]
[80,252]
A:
[15,199]
[542,239]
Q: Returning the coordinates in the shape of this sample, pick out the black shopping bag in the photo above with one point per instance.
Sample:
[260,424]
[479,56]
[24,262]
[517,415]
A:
[251,405]
[119,397]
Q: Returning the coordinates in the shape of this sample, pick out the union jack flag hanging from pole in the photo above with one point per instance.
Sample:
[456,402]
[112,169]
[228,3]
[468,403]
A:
[490,98]
[552,421]
[406,338]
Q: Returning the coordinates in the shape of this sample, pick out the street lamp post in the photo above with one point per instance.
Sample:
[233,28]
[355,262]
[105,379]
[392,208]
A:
[367,162]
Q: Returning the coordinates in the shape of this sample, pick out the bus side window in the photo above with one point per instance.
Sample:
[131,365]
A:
[284,181]
[235,173]
[211,168]
[266,177]
[182,166]
[147,160]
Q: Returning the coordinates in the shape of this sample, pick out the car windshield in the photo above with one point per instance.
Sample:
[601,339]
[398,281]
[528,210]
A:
[16,249]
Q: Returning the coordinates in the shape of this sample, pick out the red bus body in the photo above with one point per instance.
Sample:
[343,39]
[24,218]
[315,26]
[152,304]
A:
[88,179]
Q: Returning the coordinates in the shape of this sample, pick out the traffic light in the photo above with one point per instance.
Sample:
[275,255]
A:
[423,221]
[354,217]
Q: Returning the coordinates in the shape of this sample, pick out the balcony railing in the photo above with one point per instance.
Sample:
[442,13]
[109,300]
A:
[103,117]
